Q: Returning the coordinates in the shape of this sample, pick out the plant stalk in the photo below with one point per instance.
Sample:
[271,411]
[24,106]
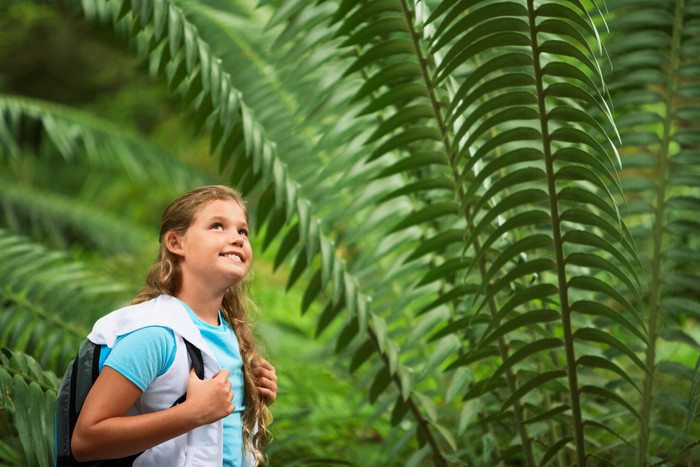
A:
[655,285]
[560,260]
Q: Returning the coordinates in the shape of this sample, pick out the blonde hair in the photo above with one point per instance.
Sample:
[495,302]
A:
[164,277]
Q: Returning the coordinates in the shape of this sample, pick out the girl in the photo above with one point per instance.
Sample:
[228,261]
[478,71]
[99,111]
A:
[195,292]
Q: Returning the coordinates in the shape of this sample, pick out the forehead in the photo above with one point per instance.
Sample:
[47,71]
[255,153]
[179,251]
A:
[222,208]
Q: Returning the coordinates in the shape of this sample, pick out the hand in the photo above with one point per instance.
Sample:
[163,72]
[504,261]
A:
[266,380]
[210,399]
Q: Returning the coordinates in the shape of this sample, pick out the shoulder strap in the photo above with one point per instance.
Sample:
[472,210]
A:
[197,363]
[196,357]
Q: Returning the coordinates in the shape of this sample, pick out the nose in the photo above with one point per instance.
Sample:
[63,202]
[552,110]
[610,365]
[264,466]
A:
[237,239]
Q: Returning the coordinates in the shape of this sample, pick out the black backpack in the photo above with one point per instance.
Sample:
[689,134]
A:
[77,381]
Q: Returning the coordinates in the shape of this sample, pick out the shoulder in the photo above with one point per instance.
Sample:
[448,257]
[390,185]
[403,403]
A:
[152,337]
[144,354]
[154,331]
[165,311]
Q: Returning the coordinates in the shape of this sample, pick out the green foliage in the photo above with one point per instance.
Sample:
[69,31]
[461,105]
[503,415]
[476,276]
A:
[652,90]
[488,206]
[28,397]
[320,414]
[41,289]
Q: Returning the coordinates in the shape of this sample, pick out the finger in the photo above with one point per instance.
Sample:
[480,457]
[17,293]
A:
[262,363]
[265,369]
[221,374]
[263,373]
[267,383]
[267,395]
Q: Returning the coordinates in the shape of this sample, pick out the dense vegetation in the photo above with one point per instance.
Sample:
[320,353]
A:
[488,210]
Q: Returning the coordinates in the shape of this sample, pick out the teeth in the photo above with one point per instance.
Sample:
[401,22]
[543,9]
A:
[231,255]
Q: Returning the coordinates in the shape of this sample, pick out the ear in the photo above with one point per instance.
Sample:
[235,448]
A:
[173,243]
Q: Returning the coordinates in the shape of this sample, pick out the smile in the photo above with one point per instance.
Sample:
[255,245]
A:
[234,256]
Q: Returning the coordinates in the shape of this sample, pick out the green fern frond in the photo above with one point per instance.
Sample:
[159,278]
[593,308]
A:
[64,222]
[39,284]
[29,394]
[653,47]
[28,124]
[521,115]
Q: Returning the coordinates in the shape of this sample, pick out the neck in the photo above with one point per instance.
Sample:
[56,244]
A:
[206,307]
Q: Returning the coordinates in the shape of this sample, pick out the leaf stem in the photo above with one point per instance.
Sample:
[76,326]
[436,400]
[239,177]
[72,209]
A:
[423,62]
[557,242]
[658,236]
[503,350]
[27,378]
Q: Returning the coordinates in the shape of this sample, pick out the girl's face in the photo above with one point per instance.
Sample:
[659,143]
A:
[214,252]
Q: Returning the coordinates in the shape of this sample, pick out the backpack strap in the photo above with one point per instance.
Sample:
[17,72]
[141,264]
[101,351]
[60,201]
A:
[197,363]
[196,357]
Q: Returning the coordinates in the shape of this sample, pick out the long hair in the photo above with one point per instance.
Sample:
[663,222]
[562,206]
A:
[165,277]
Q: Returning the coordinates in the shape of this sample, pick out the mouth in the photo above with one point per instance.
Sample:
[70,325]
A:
[236,257]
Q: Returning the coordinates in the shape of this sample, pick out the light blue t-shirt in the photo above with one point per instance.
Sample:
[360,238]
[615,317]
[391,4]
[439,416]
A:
[147,353]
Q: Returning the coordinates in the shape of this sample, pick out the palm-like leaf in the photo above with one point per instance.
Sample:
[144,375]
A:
[63,222]
[39,285]
[32,125]
[29,393]
[654,48]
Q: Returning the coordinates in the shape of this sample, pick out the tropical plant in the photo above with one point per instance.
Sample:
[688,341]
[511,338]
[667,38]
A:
[653,82]
[443,178]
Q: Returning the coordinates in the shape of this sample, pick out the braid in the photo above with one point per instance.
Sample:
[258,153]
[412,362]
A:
[256,417]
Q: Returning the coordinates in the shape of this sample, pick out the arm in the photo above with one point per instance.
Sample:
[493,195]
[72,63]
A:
[266,380]
[103,431]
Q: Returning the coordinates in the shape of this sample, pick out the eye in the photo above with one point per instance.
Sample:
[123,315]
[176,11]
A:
[243,232]
[217,226]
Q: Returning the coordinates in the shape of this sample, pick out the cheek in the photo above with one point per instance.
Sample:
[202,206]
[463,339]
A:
[249,248]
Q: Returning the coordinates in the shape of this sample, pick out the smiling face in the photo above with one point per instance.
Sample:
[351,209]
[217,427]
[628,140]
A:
[214,253]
